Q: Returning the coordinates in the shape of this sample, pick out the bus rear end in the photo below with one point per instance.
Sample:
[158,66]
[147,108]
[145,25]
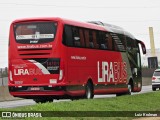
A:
[35,70]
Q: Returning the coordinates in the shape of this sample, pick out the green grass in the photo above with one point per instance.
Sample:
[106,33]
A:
[140,102]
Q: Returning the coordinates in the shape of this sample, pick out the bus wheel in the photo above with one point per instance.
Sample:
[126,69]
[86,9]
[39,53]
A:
[119,94]
[130,87]
[154,89]
[89,91]
[126,93]
[42,100]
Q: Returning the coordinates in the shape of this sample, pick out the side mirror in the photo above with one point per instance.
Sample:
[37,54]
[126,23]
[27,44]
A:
[142,46]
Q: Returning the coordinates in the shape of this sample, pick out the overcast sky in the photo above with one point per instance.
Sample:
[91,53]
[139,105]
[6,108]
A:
[135,16]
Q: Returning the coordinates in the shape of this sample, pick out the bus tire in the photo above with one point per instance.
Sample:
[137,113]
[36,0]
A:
[126,93]
[119,94]
[42,100]
[153,88]
[89,91]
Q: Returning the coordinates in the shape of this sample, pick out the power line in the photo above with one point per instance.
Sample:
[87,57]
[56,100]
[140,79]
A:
[111,20]
[101,7]
[136,21]
[152,20]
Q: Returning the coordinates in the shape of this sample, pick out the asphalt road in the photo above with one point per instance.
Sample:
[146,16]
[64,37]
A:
[26,102]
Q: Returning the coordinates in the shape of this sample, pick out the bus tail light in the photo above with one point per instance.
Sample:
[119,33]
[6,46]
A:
[10,76]
[61,71]
[60,74]
[153,78]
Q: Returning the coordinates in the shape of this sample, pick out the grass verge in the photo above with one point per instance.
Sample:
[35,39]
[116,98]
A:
[141,102]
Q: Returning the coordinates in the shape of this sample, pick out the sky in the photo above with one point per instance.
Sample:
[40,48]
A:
[135,16]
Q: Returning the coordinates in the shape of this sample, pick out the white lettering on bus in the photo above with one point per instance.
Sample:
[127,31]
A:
[112,71]
[35,46]
[78,57]
[31,71]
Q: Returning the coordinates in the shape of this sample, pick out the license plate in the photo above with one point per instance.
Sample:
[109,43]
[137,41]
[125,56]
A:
[35,88]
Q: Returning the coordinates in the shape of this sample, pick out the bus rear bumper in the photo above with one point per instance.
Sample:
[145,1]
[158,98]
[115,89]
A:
[37,93]
[27,91]
[44,91]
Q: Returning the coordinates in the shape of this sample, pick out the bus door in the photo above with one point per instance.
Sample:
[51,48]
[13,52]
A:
[133,53]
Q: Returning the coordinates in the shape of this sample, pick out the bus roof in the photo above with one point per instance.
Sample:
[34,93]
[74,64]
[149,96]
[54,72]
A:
[113,28]
[64,21]
[92,24]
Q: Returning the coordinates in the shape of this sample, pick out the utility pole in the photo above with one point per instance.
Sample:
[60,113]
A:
[152,41]
[152,60]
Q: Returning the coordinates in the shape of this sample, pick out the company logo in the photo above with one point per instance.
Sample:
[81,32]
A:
[6,115]
[34,41]
[112,71]
[30,71]
[16,115]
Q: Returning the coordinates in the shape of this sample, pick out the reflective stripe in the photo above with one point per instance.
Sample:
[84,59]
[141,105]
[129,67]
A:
[40,66]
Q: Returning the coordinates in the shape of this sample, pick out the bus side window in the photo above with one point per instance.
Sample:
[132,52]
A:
[67,36]
[76,36]
[123,41]
[98,38]
[110,42]
[102,40]
[94,40]
[114,37]
[82,42]
[132,48]
[86,33]
[118,39]
[91,45]
[106,41]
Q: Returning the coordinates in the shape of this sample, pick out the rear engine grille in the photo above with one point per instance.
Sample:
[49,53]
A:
[27,53]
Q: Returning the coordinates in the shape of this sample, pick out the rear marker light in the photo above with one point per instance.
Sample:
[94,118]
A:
[153,78]
[10,76]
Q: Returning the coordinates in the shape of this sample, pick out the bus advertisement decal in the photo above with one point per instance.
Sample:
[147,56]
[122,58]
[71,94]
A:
[112,71]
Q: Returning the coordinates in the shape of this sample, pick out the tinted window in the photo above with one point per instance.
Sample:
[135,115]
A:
[87,38]
[73,36]
[110,41]
[67,36]
[157,73]
[101,39]
[82,39]
[91,44]
[86,34]
[133,52]
[35,32]
[131,43]
[76,37]
[118,41]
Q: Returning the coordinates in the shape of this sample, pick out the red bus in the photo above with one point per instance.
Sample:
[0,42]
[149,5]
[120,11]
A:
[53,58]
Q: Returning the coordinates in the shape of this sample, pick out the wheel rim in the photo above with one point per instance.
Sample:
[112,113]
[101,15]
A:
[88,92]
[129,88]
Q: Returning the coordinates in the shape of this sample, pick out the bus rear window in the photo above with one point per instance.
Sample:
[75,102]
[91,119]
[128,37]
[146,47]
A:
[35,32]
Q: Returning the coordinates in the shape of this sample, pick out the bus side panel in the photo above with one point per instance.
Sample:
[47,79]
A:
[126,75]
[85,64]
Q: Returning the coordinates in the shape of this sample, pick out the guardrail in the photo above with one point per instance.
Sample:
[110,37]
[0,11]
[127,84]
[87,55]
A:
[4,92]
[5,95]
